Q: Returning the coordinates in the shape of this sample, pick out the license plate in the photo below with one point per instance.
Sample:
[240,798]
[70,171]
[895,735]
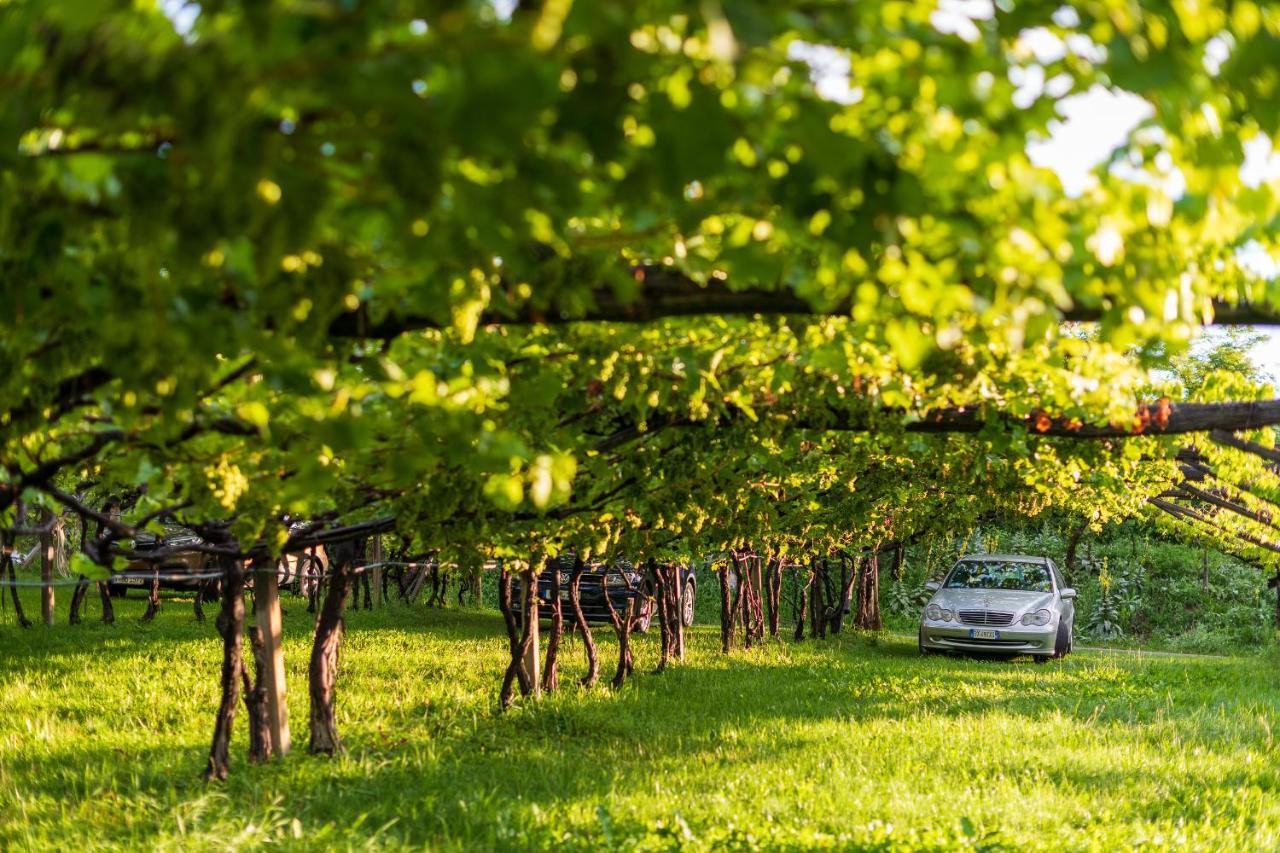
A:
[564,595]
[133,581]
[983,634]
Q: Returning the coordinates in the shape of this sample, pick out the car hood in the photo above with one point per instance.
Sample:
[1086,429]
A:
[1014,601]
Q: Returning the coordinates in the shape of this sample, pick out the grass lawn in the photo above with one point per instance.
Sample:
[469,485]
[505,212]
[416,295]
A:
[852,743]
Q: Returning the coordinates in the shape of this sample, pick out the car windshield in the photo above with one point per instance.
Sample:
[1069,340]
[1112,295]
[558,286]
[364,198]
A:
[998,574]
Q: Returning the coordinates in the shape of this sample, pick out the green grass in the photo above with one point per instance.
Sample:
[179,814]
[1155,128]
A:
[854,743]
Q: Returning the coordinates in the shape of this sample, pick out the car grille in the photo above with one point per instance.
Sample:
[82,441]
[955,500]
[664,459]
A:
[974,641]
[986,617]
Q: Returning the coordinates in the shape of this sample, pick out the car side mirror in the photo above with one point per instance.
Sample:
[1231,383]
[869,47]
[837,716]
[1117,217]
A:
[1067,593]
[933,586]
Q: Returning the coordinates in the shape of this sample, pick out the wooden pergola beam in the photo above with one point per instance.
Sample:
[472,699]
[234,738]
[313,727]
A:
[667,292]
[1195,524]
[1226,438]
[1196,469]
[1186,513]
[1222,502]
[1149,419]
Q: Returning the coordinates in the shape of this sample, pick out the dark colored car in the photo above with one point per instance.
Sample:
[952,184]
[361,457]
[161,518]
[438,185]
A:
[303,569]
[136,575]
[620,581]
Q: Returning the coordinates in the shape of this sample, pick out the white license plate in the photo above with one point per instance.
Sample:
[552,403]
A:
[134,581]
[983,634]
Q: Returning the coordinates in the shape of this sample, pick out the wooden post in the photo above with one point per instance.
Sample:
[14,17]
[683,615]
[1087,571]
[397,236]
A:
[46,570]
[533,658]
[375,554]
[266,605]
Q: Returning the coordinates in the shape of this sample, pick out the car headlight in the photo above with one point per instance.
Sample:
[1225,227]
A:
[946,615]
[615,579]
[1040,617]
[933,612]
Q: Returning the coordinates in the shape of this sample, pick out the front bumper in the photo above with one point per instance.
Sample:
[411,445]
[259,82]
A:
[1016,639]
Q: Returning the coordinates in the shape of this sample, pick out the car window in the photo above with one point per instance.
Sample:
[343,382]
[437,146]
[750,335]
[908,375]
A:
[1057,575]
[999,574]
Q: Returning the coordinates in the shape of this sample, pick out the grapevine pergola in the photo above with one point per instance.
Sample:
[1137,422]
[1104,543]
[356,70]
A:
[613,278]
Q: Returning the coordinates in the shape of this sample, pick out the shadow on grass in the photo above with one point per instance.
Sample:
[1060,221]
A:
[454,769]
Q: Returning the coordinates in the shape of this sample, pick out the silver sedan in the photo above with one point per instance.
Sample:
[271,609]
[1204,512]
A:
[1009,603]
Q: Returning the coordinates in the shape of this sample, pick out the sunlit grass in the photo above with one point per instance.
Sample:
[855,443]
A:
[853,742]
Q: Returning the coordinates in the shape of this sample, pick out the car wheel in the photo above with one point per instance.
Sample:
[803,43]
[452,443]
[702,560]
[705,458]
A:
[1062,644]
[645,619]
[689,597]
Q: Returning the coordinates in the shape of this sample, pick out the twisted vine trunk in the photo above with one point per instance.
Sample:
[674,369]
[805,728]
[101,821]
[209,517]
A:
[506,694]
[666,628]
[773,588]
[417,578]
[230,624]
[741,596]
[580,620]
[104,592]
[404,581]
[519,643]
[675,611]
[362,583]
[82,583]
[52,546]
[433,575]
[470,586]
[899,562]
[77,600]
[315,590]
[622,624]
[818,601]
[550,671]
[6,545]
[198,604]
[758,598]
[726,606]
[815,600]
[868,618]
[626,664]
[749,600]
[806,586]
[841,605]
[439,586]
[255,699]
[108,610]
[153,599]
[325,645]
[848,575]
